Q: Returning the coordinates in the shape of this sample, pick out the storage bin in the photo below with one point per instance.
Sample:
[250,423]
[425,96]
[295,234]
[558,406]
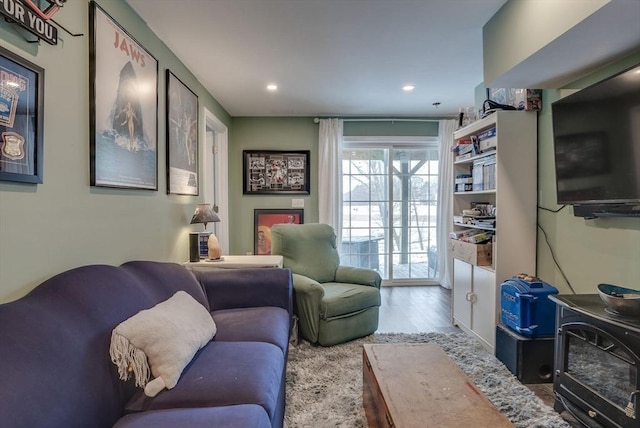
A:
[476,254]
[526,307]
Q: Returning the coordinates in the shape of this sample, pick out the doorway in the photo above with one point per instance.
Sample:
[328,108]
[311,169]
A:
[215,177]
[390,208]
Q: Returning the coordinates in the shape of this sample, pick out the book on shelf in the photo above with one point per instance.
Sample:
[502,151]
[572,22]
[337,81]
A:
[463,149]
[483,173]
[487,139]
[478,238]
[473,236]
[484,222]
[458,234]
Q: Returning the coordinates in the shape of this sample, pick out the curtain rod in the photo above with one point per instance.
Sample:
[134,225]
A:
[317,120]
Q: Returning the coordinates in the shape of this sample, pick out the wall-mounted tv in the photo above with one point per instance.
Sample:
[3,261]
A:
[596,138]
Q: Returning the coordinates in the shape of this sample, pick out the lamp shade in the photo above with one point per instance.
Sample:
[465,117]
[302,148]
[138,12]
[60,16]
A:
[204,214]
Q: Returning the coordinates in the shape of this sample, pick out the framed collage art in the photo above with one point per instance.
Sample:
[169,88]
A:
[276,172]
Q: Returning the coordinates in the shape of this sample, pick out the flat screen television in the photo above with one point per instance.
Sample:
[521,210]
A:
[596,139]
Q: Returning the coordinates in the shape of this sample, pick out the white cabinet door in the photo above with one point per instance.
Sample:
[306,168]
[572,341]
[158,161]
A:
[483,311]
[463,280]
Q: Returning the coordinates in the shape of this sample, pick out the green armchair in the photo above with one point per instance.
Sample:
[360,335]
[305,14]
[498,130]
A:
[334,304]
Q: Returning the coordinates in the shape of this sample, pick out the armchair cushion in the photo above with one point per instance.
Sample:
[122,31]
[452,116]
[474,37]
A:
[341,299]
[299,244]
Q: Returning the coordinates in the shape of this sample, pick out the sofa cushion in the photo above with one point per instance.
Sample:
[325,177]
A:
[164,338]
[340,299]
[240,416]
[224,374]
[263,324]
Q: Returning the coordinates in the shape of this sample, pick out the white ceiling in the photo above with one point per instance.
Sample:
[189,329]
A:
[347,57]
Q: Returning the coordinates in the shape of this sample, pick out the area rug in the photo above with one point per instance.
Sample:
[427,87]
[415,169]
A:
[324,385]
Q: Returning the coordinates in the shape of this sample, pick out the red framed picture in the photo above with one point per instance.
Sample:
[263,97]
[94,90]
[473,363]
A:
[264,219]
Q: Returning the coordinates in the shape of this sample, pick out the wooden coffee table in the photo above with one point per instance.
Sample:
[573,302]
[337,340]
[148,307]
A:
[417,385]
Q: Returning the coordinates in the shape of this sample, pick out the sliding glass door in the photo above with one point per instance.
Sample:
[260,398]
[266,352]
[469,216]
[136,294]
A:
[389,208]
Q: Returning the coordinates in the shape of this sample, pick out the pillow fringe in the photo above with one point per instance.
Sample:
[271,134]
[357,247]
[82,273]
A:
[128,359]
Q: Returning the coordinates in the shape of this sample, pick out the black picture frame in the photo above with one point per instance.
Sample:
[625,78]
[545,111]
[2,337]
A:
[123,107]
[276,172]
[21,119]
[182,138]
[263,219]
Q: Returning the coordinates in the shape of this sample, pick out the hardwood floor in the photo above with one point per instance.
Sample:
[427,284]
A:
[416,309]
[424,309]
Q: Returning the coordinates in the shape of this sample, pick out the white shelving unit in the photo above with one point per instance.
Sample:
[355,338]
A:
[476,289]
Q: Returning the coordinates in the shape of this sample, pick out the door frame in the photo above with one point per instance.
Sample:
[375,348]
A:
[215,189]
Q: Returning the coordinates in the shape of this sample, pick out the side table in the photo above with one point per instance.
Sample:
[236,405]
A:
[237,262]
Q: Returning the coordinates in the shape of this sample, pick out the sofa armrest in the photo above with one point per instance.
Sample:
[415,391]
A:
[307,298]
[356,275]
[246,288]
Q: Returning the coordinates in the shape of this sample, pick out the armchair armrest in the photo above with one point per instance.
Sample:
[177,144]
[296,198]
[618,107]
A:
[356,275]
[246,288]
[307,298]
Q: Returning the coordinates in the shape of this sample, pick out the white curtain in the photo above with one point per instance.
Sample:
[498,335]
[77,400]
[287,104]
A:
[445,201]
[330,174]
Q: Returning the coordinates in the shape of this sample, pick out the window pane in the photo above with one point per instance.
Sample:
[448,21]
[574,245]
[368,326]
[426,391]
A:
[390,231]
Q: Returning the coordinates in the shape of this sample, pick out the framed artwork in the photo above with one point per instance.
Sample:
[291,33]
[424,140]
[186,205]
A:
[182,138]
[262,222]
[275,172]
[21,119]
[123,107]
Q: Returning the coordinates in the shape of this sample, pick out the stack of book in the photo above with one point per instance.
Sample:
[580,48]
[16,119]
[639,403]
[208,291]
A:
[463,182]
[487,140]
[484,173]
[484,222]
[463,149]
[473,236]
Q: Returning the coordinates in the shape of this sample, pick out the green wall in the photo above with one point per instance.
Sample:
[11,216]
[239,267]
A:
[391,129]
[589,252]
[290,133]
[63,222]
[267,133]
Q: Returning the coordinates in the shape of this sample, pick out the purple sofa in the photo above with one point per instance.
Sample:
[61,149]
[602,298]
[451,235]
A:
[55,368]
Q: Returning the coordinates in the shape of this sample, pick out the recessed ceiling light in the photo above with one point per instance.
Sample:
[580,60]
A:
[272,87]
[408,88]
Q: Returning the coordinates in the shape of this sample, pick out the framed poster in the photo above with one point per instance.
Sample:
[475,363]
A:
[262,222]
[21,119]
[123,107]
[182,138]
[275,172]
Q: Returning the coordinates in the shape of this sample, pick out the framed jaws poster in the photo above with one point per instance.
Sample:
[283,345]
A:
[124,107]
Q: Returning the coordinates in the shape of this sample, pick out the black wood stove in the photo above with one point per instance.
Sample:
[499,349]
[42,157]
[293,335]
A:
[597,360]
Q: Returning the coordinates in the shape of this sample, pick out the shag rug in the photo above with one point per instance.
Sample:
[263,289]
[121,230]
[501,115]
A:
[324,385]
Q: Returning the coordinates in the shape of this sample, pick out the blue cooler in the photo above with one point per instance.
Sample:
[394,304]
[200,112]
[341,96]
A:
[526,307]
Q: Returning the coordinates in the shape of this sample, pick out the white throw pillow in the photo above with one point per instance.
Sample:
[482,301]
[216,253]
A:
[164,338]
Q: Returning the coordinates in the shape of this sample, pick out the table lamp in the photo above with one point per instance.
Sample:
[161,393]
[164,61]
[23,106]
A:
[204,245]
